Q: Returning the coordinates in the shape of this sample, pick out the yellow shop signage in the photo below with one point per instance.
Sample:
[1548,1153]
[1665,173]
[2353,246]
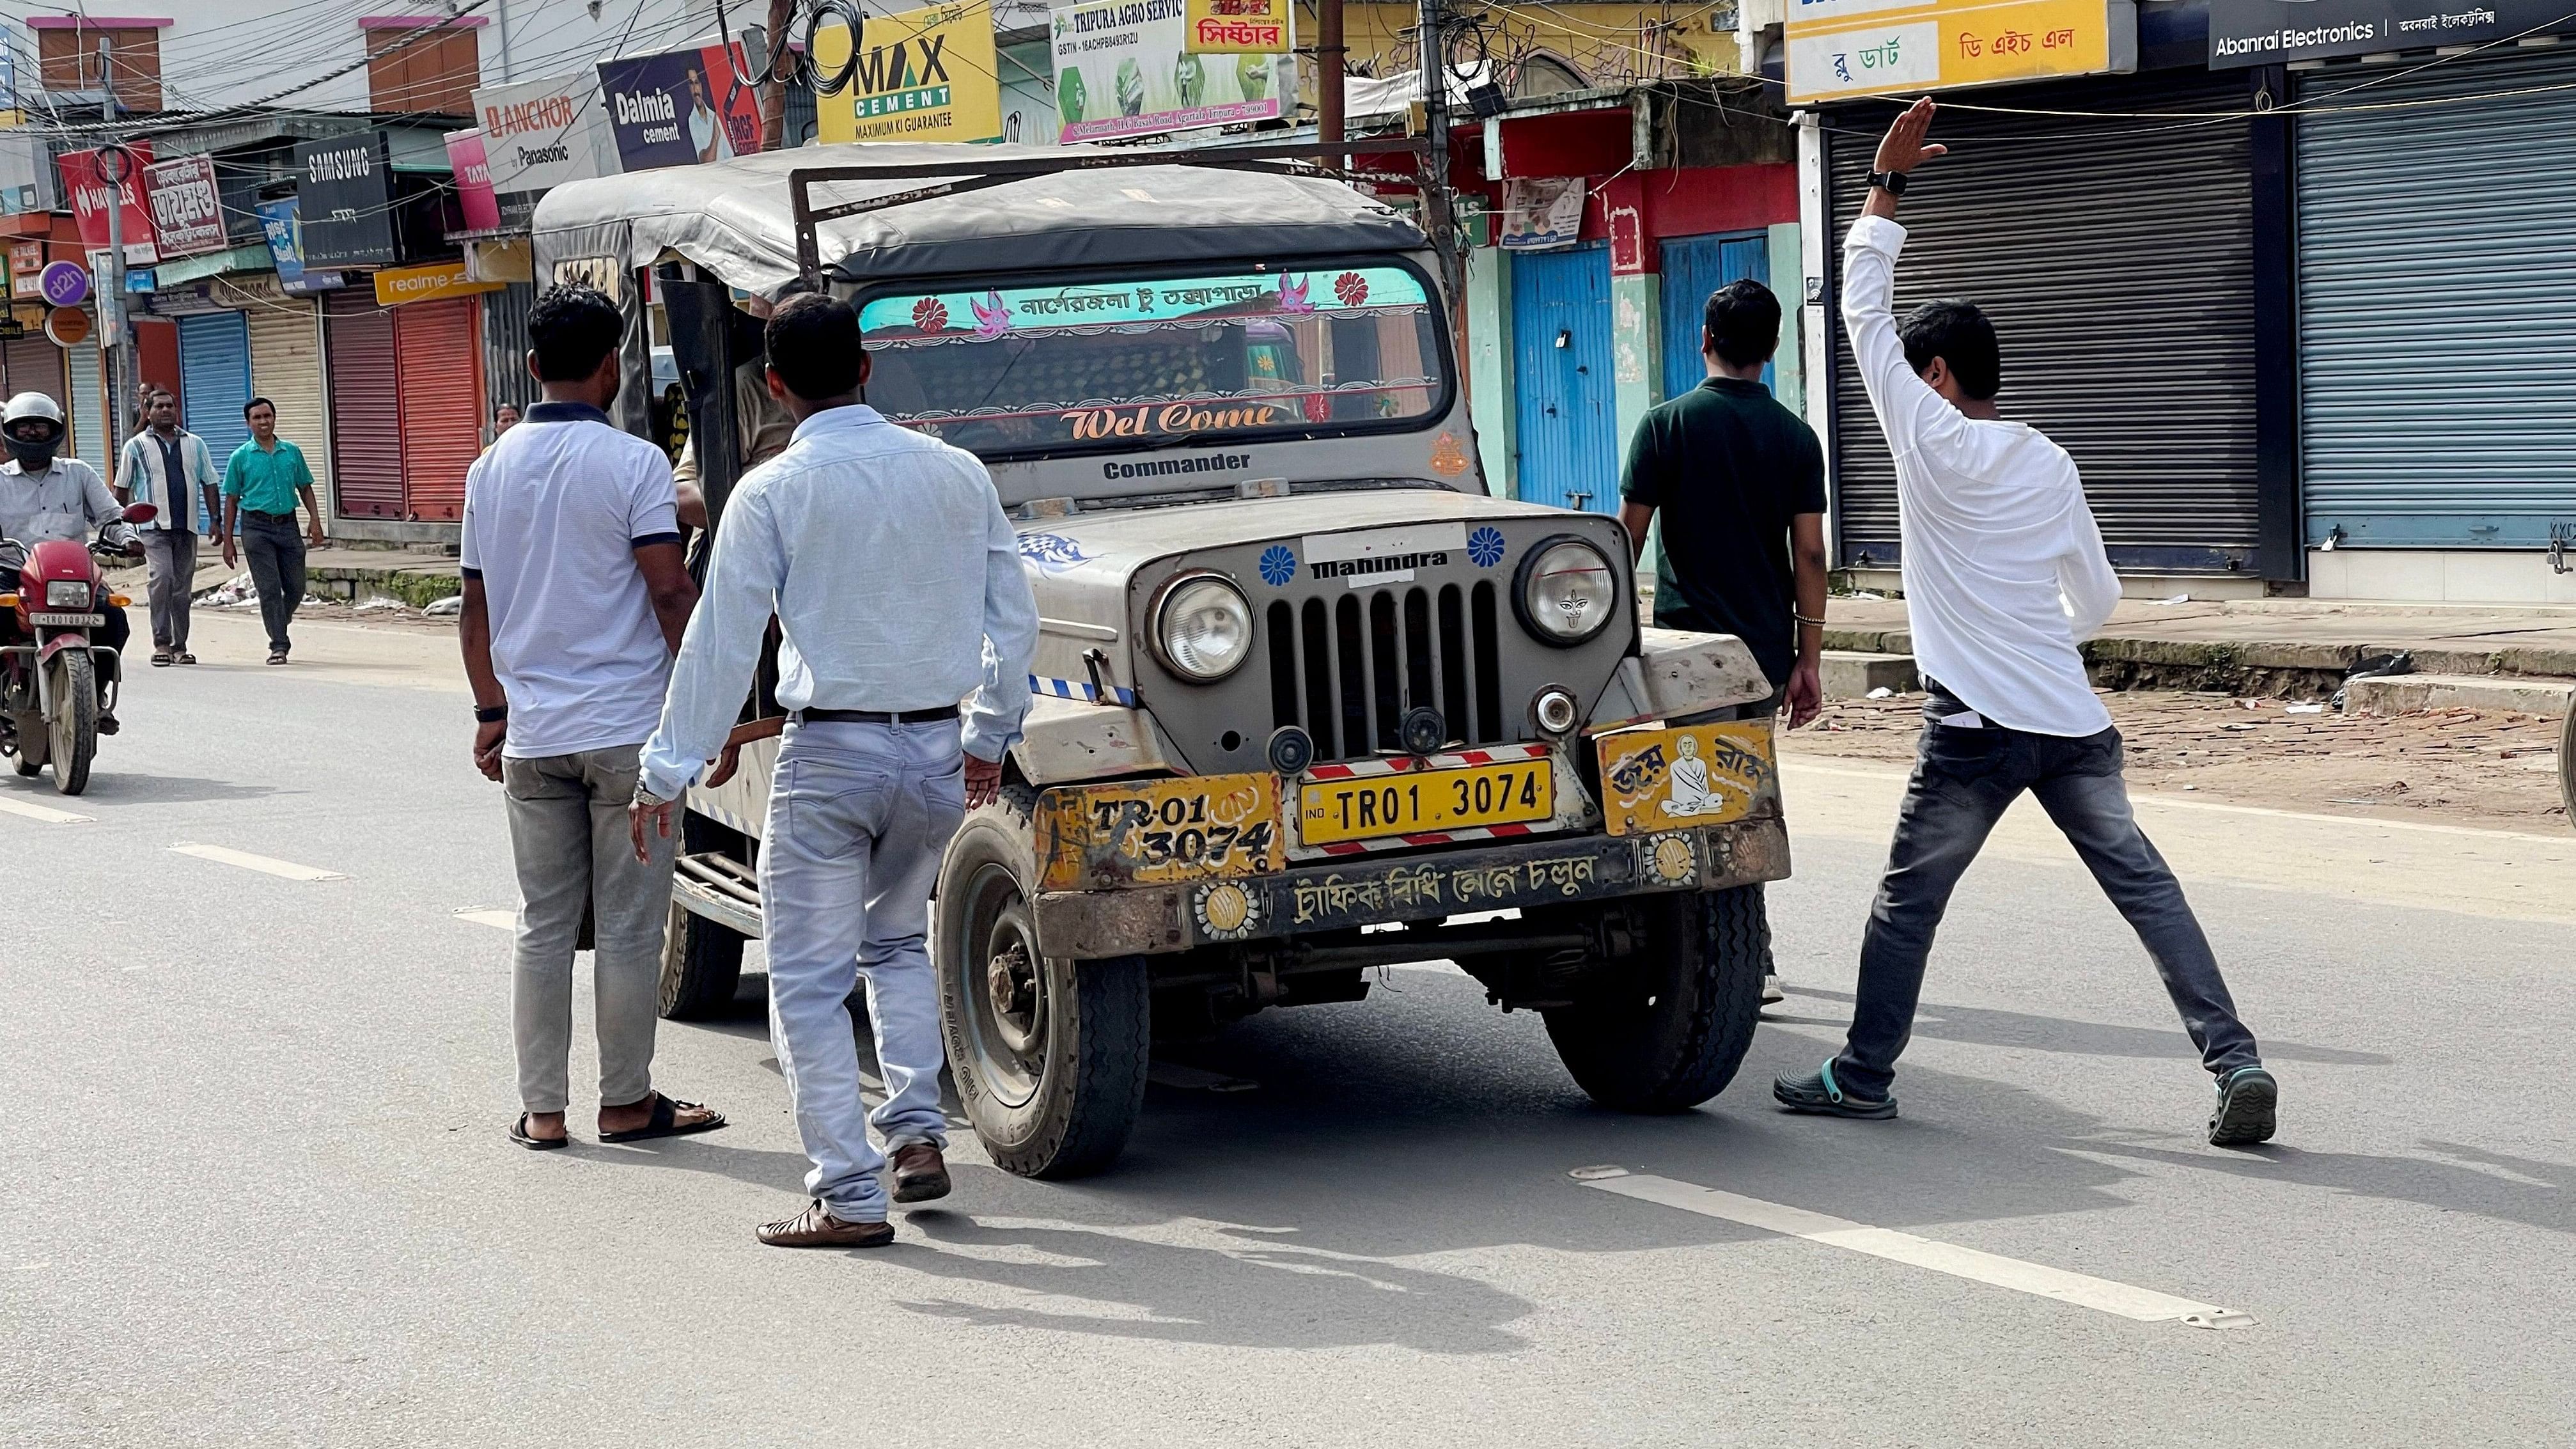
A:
[921,75]
[397,285]
[1839,48]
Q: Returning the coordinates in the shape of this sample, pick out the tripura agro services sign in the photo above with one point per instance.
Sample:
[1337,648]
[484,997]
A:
[922,75]
[1125,68]
[1849,48]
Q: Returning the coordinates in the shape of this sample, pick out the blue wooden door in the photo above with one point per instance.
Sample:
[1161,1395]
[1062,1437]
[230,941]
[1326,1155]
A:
[1695,266]
[1567,436]
[214,384]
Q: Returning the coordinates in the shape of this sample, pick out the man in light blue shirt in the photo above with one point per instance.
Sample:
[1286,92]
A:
[898,589]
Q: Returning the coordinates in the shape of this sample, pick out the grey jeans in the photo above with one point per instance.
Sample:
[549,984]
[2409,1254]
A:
[1964,780]
[172,556]
[569,837]
[859,815]
[276,551]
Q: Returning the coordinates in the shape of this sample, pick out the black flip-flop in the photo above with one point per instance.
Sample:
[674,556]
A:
[520,1134]
[666,1122]
[162,659]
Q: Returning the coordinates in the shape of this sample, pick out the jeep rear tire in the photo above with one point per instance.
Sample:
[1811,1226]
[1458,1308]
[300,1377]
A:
[701,967]
[1666,1031]
[1049,1055]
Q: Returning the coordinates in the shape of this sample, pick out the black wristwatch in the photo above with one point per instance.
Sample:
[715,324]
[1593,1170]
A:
[491,715]
[1891,182]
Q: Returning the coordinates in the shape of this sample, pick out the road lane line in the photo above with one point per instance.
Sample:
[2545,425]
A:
[45,813]
[265,865]
[503,920]
[2143,1304]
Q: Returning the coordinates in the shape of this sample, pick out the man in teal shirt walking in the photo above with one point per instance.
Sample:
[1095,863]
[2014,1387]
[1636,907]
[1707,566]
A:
[262,482]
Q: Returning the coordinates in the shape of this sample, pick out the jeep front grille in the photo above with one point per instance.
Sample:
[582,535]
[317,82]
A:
[1348,669]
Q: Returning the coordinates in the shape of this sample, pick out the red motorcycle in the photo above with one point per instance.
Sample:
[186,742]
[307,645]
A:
[53,681]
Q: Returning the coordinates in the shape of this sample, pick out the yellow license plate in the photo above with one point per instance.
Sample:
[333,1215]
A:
[1373,807]
[1093,837]
[1698,775]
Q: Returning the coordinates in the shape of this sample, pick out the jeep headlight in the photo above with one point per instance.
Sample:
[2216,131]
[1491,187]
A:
[1203,628]
[1567,592]
[66,594]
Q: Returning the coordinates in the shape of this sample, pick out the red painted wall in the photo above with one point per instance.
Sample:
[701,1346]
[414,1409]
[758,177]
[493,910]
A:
[156,353]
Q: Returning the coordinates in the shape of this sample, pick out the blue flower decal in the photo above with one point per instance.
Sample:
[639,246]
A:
[1278,565]
[1485,546]
[1052,553]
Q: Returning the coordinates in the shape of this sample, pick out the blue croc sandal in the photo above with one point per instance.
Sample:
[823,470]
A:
[1818,1093]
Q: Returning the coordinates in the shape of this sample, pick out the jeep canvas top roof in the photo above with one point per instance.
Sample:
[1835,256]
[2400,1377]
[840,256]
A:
[735,217]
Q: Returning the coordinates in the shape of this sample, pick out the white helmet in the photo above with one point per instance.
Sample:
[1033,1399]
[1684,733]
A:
[36,453]
[31,405]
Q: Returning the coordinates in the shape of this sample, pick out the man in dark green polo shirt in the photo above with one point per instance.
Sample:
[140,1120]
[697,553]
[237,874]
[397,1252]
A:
[264,479]
[1740,482]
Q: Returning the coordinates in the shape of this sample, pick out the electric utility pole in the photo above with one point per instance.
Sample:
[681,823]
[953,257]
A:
[113,164]
[1433,35]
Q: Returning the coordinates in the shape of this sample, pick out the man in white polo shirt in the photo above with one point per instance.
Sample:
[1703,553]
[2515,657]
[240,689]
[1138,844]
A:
[575,600]
[2004,572]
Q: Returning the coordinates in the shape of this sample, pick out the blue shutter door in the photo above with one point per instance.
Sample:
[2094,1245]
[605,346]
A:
[1695,266]
[1563,400]
[214,383]
[2437,307]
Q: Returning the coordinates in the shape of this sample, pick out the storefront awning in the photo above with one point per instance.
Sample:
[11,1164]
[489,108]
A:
[256,258]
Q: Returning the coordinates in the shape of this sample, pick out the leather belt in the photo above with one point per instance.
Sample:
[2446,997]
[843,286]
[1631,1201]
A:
[874,716]
[268,517]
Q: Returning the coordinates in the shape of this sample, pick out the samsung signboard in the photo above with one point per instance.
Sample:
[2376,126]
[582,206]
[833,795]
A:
[344,195]
[2267,32]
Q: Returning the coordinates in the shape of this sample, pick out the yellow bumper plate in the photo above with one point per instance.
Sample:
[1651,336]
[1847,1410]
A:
[1696,775]
[1155,832]
[1424,802]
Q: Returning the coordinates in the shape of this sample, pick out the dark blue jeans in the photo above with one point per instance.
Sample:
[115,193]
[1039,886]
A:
[1964,779]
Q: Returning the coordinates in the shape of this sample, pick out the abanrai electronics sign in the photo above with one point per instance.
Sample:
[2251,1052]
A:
[84,177]
[2266,32]
[537,135]
[187,209]
[680,108]
[344,191]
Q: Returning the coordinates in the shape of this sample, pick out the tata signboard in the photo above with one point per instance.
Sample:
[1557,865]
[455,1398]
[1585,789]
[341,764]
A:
[1842,49]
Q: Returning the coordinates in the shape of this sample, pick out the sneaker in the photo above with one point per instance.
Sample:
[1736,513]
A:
[1817,1093]
[2244,1114]
[1772,995]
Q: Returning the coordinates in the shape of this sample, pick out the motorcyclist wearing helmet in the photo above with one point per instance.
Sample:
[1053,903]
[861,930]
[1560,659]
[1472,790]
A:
[43,496]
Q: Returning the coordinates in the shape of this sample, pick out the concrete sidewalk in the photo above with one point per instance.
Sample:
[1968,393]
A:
[414,576]
[2275,646]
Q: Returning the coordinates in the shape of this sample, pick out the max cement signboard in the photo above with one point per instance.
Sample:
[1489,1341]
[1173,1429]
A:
[2267,32]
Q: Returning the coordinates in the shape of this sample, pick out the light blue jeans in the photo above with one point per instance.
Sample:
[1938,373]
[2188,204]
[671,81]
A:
[859,815]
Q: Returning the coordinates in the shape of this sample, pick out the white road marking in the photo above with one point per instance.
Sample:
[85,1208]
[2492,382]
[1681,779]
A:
[265,865]
[45,813]
[2143,1304]
[505,920]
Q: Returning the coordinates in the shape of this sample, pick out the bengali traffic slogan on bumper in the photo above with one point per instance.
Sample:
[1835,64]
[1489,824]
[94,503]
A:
[1321,900]
[1158,832]
[1668,779]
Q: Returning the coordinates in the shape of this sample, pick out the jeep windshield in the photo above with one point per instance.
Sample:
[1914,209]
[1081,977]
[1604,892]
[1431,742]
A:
[1036,368]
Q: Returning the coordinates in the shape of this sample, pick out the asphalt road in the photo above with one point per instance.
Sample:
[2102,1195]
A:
[253,1187]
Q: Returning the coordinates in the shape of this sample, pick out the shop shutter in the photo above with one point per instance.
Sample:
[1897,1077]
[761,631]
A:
[505,346]
[2116,259]
[34,364]
[366,418]
[438,355]
[286,368]
[2437,307]
[214,373]
[1567,414]
[88,404]
[1695,266]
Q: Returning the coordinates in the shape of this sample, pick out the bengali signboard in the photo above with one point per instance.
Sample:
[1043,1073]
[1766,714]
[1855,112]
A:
[2268,32]
[1841,48]
[1241,27]
[187,210]
[923,75]
[90,193]
[26,264]
[680,107]
[537,135]
[344,187]
[1124,68]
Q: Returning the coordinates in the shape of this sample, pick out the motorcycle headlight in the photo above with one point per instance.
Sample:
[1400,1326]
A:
[1203,630]
[1567,592]
[66,594]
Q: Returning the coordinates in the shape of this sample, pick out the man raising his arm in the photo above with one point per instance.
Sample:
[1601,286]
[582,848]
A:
[2004,573]
[898,589]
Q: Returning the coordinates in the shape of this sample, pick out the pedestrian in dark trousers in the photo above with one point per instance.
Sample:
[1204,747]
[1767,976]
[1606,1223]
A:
[2004,573]
[575,598]
[168,467]
[262,483]
[1740,483]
